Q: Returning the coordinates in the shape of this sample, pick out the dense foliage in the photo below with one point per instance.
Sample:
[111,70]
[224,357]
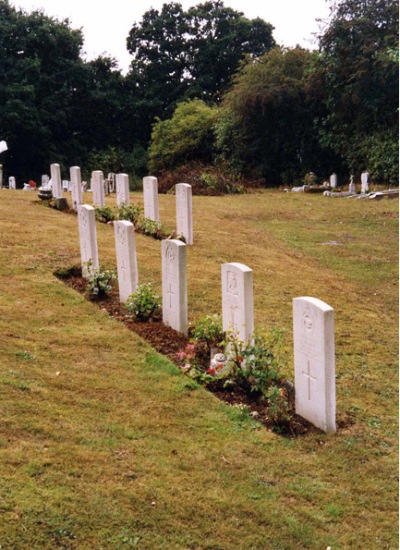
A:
[206,86]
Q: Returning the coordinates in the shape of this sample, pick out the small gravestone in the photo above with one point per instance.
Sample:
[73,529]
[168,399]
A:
[174,285]
[65,185]
[150,198]
[87,237]
[124,233]
[122,187]
[184,221]
[333,181]
[237,300]
[12,184]
[314,362]
[352,185]
[56,180]
[98,188]
[45,180]
[76,186]
[364,182]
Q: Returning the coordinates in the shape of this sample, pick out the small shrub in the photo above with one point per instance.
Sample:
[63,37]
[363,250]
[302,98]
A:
[144,303]
[104,214]
[129,212]
[150,227]
[99,280]
[278,405]
[209,329]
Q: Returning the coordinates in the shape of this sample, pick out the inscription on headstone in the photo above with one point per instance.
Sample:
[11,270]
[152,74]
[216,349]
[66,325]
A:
[184,221]
[55,172]
[150,198]
[174,285]
[87,237]
[122,184]
[237,300]
[314,362]
[124,233]
[98,188]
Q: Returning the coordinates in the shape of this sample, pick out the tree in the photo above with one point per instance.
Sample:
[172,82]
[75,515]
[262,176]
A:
[358,78]
[266,124]
[181,54]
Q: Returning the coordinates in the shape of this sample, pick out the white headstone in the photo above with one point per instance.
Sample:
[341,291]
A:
[314,362]
[184,221]
[364,182]
[45,179]
[12,184]
[150,198]
[3,146]
[237,300]
[333,181]
[122,184]
[55,172]
[174,285]
[98,188]
[124,233]
[87,237]
[76,186]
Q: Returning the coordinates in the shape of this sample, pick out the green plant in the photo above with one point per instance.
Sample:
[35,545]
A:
[99,280]
[104,214]
[129,212]
[144,303]
[209,329]
[278,405]
[150,227]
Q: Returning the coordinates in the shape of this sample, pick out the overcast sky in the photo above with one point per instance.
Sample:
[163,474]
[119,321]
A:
[106,25]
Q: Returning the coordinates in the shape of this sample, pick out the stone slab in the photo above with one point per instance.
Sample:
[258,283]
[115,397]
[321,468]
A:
[87,237]
[127,268]
[174,285]
[237,300]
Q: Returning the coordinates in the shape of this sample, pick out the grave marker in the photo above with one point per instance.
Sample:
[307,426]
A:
[174,284]
[12,184]
[122,183]
[314,362]
[55,172]
[150,198]
[124,233]
[364,182]
[237,300]
[98,188]
[333,181]
[76,186]
[87,237]
[184,221]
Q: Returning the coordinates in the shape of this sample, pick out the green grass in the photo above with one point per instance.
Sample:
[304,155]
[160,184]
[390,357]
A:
[104,444]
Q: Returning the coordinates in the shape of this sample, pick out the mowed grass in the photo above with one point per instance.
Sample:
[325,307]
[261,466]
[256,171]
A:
[105,444]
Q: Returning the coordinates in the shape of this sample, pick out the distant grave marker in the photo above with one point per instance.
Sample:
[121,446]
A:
[184,219]
[122,188]
[98,188]
[76,186]
[237,300]
[55,172]
[150,198]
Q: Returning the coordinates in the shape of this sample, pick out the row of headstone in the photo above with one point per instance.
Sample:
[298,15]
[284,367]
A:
[352,188]
[314,355]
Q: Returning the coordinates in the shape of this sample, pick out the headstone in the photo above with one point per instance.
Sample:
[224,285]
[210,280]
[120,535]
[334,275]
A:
[352,185]
[237,300]
[98,188]
[76,186]
[150,198]
[124,233]
[56,180]
[333,181]
[3,146]
[314,362]
[184,221]
[122,183]
[87,237]
[45,180]
[364,182]
[174,285]
[12,184]
[65,185]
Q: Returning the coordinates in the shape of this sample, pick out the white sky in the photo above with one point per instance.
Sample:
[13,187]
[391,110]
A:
[106,25]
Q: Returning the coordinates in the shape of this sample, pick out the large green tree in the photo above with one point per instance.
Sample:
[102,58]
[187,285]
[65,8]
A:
[179,55]
[266,124]
[358,80]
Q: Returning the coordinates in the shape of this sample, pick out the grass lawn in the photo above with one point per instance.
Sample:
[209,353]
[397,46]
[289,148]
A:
[105,444]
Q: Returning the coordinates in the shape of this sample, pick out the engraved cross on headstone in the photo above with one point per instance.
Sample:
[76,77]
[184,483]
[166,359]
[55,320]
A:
[310,379]
[171,293]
